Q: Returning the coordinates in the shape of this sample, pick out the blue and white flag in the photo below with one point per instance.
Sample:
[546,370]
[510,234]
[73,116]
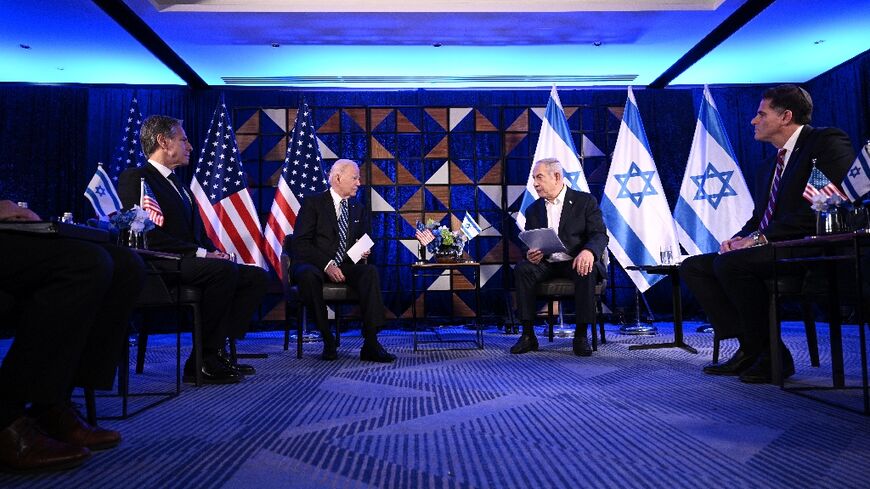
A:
[634,206]
[857,181]
[714,201]
[469,226]
[102,194]
[554,142]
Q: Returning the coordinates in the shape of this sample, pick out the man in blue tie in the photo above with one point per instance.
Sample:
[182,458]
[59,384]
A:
[729,284]
[327,226]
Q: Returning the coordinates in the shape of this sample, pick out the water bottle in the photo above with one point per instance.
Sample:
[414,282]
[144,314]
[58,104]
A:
[23,205]
[67,218]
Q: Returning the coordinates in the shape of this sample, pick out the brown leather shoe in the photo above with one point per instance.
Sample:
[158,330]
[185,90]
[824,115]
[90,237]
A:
[65,423]
[24,447]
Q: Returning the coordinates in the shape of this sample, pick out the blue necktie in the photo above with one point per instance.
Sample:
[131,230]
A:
[175,181]
[342,232]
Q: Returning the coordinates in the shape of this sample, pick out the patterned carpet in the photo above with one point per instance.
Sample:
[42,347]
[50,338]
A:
[479,419]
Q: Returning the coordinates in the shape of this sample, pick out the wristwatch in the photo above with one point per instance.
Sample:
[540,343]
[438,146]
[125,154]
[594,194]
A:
[758,239]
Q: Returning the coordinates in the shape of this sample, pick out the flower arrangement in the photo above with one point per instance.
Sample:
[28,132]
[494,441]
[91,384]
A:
[132,224]
[823,203]
[444,241]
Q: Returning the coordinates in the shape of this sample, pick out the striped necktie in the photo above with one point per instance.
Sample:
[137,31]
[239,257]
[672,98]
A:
[774,189]
[342,232]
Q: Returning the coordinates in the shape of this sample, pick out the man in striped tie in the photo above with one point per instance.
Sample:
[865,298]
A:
[730,285]
[328,224]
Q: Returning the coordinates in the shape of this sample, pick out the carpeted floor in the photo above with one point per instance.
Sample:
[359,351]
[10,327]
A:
[482,419]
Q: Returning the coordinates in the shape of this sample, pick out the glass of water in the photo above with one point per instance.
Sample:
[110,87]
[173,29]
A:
[666,255]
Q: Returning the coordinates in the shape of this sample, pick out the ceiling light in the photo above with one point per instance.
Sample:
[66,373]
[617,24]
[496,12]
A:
[276,45]
[436,44]
[596,43]
[24,46]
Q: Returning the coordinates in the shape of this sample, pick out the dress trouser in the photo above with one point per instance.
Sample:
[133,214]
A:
[527,275]
[73,299]
[361,277]
[231,294]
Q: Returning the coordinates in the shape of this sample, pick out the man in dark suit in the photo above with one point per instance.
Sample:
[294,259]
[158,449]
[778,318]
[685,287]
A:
[231,293]
[71,300]
[327,226]
[577,219]
[729,284]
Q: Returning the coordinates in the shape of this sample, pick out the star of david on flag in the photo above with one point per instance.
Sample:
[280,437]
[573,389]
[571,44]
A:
[857,181]
[301,175]
[469,226]
[555,141]
[220,188]
[714,200]
[634,207]
[101,193]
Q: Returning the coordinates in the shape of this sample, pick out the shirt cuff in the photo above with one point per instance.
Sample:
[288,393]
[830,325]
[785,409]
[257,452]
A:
[330,262]
[201,252]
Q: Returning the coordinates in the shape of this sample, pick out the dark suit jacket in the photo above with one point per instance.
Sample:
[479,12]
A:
[793,217]
[315,237]
[580,226]
[182,231]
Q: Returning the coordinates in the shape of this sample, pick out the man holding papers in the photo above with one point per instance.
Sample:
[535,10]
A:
[576,218]
[327,229]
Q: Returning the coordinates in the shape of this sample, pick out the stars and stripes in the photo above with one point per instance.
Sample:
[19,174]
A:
[219,186]
[819,184]
[129,151]
[301,175]
[149,204]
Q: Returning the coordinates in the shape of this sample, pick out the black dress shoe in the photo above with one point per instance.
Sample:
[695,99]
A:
[760,371]
[374,352]
[525,344]
[581,346]
[241,368]
[329,354]
[738,362]
[213,372]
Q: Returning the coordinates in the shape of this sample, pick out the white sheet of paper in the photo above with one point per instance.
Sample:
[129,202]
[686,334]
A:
[362,245]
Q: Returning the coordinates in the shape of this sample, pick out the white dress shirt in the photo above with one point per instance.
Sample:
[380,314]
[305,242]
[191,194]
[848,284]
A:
[554,218]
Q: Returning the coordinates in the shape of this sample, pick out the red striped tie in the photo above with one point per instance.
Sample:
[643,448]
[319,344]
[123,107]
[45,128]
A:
[774,189]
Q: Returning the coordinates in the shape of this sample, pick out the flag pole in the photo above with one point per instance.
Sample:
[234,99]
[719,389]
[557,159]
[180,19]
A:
[141,192]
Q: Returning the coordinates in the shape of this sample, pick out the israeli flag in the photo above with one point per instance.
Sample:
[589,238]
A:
[469,227]
[714,201]
[857,181]
[102,194]
[635,210]
[554,142]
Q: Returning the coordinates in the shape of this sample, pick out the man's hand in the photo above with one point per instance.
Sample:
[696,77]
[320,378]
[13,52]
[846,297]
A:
[9,211]
[728,245]
[584,262]
[737,244]
[220,255]
[334,273]
[365,254]
[534,255]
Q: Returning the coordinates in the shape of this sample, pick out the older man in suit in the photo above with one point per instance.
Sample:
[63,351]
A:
[729,284]
[327,226]
[577,219]
[231,293]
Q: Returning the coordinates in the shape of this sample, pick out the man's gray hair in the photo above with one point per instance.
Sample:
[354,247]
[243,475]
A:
[339,166]
[552,164]
[154,126]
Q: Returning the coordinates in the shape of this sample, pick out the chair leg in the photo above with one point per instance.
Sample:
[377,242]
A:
[550,320]
[286,325]
[233,352]
[600,317]
[300,325]
[141,345]
[197,344]
[91,405]
[812,336]
[594,337]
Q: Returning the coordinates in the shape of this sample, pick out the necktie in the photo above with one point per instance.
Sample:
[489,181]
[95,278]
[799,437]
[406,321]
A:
[774,189]
[342,232]
[175,181]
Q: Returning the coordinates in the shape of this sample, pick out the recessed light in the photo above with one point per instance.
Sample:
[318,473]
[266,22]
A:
[24,46]
[819,41]
[596,43]
[436,44]
[276,45]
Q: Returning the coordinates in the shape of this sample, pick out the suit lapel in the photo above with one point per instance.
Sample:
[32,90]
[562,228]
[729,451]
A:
[567,211]
[796,160]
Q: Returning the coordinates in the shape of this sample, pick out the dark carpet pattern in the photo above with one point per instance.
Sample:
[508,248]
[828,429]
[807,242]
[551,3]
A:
[482,419]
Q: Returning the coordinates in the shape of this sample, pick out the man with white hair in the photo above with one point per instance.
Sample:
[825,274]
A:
[327,226]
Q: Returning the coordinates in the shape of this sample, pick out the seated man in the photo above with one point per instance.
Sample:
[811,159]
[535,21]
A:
[729,284]
[231,293]
[73,300]
[577,220]
[328,224]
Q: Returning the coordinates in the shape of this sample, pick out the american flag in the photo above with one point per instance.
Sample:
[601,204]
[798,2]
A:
[301,175]
[129,152]
[220,187]
[818,183]
[149,204]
